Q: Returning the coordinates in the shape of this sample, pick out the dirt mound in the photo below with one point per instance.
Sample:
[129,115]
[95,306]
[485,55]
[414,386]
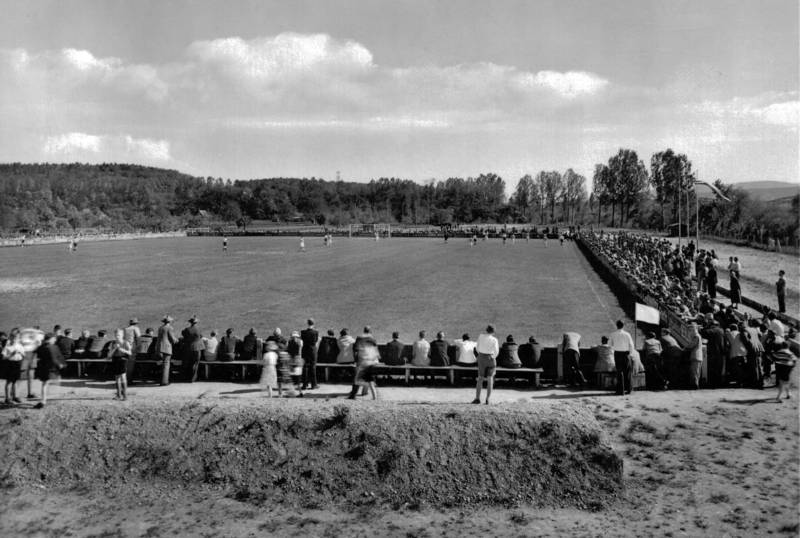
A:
[318,453]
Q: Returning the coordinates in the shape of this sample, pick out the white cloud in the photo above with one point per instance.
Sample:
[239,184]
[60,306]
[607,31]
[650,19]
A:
[66,144]
[772,108]
[786,114]
[570,84]
[92,148]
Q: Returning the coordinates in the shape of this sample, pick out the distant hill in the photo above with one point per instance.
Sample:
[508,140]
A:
[769,190]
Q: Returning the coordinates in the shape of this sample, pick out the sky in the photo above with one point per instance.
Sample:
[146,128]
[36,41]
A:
[422,90]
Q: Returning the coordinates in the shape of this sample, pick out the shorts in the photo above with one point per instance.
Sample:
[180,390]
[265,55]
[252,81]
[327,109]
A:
[119,365]
[783,371]
[10,370]
[486,365]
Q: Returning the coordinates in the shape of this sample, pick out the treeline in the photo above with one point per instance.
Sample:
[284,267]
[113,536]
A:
[625,192]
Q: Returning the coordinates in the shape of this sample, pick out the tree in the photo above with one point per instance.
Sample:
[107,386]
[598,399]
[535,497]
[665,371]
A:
[600,182]
[670,174]
[628,178]
[574,192]
[551,186]
[524,196]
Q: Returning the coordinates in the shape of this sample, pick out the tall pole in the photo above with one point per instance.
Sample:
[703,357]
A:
[697,218]
[680,188]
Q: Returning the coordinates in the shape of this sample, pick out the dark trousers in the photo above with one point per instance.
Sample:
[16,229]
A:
[653,374]
[191,364]
[716,368]
[310,372]
[622,361]
[781,303]
[572,368]
[167,359]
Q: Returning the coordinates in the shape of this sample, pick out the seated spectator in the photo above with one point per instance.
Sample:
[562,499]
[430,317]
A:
[420,351]
[438,351]
[465,351]
[66,344]
[328,348]
[80,345]
[393,356]
[228,346]
[249,344]
[531,353]
[210,345]
[775,325]
[509,356]
[96,348]
[346,342]
[605,357]
[144,346]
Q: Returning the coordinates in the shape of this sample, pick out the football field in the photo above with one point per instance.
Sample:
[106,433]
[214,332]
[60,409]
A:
[393,284]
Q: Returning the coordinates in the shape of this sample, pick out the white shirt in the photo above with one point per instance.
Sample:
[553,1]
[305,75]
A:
[465,351]
[777,327]
[620,340]
[211,344]
[488,345]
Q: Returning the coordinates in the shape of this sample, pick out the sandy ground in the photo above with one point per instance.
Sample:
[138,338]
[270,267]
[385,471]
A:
[697,463]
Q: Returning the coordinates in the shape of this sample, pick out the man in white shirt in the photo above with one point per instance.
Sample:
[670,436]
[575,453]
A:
[488,348]
[622,344]
[775,325]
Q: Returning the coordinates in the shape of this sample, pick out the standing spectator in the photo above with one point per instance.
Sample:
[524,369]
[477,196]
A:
[438,351]
[465,351]
[66,344]
[756,361]
[736,290]
[12,355]
[717,350]
[394,351]
[784,361]
[780,288]
[530,353]
[488,348]
[269,373]
[277,337]
[328,348]
[228,346]
[210,346]
[346,342]
[695,349]
[367,356]
[132,333]
[193,342]
[622,344]
[420,351]
[570,352]
[294,348]
[737,355]
[652,363]
[120,353]
[249,345]
[508,357]
[164,342]
[711,280]
[49,364]
[310,338]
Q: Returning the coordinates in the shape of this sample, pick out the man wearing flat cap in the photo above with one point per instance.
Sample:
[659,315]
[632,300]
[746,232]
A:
[193,342]
[164,342]
[131,334]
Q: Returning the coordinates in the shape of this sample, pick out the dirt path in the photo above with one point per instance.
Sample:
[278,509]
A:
[697,463]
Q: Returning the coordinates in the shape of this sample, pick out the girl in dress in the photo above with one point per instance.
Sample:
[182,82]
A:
[269,373]
[13,352]
[120,353]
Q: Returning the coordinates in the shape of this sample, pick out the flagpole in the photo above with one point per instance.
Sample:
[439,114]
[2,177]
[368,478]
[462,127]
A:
[697,217]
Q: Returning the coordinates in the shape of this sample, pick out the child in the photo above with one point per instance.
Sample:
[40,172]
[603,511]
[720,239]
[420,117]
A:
[49,364]
[784,361]
[120,353]
[13,352]
[284,373]
[294,348]
[269,375]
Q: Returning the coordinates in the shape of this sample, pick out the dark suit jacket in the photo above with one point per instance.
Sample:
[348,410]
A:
[309,337]
[193,339]
[165,339]
[438,353]
[716,342]
[393,353]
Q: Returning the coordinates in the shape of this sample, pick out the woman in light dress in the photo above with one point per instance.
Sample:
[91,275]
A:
[269,373]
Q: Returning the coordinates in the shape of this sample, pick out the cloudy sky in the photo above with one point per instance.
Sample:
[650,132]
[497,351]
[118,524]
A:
[415,89]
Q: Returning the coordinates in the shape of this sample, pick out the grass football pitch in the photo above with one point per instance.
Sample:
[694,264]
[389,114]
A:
[393,284]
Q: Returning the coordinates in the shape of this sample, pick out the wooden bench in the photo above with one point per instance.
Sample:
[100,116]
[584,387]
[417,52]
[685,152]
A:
[407,370]
[80,363]
[244,364]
